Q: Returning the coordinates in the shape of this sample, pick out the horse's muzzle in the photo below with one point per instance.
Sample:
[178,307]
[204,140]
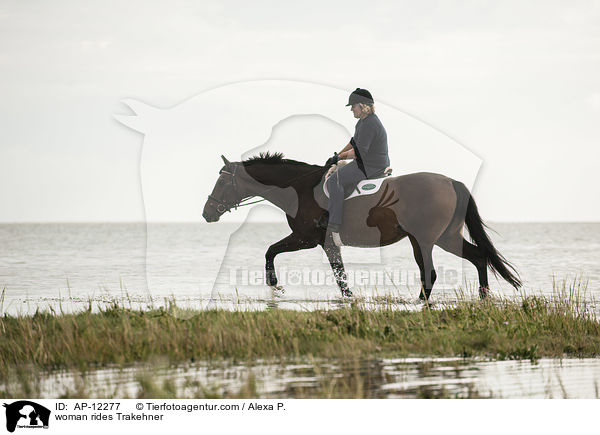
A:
[209,218]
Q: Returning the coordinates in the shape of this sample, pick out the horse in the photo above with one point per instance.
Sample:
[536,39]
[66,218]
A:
[430,209]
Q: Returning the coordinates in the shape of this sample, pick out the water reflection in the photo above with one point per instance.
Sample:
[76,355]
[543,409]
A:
[368,378]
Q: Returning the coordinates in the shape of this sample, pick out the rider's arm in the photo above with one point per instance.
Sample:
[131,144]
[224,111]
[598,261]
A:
[346,148]
[347,154]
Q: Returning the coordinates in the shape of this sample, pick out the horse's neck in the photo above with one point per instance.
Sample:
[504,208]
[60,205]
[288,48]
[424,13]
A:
[274,183]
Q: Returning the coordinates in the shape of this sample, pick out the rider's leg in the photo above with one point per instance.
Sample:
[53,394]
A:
[338,184]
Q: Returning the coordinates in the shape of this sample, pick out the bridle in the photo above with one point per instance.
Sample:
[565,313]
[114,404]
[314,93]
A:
[223,206]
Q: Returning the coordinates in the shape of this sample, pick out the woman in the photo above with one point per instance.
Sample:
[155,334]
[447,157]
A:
[369,151]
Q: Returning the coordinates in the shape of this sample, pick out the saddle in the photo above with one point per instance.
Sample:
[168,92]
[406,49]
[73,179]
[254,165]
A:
[364,187]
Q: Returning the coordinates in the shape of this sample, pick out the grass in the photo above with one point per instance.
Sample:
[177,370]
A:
[352,338]
[529,328]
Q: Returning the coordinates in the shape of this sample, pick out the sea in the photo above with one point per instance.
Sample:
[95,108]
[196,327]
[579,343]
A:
[70,267]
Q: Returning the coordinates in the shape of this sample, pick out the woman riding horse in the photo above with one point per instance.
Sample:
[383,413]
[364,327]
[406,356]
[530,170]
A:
[368,148]
[430,209]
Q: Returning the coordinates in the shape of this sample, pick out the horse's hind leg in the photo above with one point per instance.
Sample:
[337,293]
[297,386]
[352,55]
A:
[457,245]
[424,258]
[334,256]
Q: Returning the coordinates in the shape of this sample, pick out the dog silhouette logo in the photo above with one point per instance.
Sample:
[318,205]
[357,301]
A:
[26,414]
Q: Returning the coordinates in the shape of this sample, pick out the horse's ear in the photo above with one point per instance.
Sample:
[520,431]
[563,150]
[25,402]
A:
[227,162]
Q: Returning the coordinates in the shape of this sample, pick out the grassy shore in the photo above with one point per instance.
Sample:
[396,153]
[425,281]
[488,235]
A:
[530,328]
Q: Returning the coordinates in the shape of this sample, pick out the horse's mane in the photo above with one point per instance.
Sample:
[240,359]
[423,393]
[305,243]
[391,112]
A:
[272,159]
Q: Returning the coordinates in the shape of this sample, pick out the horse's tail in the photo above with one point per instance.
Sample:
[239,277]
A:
[476,226]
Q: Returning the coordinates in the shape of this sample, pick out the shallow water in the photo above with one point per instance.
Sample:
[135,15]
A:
[198,265]
[379,378]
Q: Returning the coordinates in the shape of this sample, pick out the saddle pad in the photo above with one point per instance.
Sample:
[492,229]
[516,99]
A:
[364,187]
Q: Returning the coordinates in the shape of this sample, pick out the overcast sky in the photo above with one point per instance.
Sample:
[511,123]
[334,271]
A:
[517,83]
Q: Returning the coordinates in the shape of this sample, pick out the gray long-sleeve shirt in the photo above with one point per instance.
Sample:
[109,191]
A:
[370,144]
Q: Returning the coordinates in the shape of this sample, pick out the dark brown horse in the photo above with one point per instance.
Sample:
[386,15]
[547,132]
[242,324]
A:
[430,209]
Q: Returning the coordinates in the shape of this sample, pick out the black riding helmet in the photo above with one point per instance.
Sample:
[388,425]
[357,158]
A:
[360,96]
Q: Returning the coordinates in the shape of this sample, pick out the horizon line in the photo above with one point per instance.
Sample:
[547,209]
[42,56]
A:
[263,222]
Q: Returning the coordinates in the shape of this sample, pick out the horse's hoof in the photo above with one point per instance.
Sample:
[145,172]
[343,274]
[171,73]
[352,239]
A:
[271,279]
[347,294]
[484,292]
[426,303]
[278,291]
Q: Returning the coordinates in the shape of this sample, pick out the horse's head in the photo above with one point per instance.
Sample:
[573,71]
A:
[225,195]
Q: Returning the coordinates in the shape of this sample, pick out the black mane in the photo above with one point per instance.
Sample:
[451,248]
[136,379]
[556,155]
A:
[272,159]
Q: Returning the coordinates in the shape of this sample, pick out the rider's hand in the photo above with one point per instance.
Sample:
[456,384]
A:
[332,160]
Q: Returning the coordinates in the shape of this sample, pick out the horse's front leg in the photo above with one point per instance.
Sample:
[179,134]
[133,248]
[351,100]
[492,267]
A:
[288,244]
[334,255]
